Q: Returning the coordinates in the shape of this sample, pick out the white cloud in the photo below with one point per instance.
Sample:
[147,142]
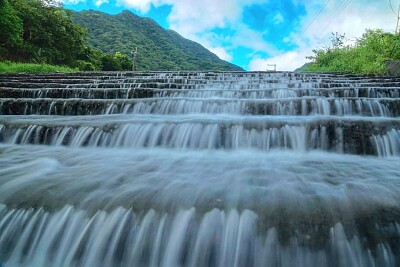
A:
[221,53]
[196,20]
[194,16]
[288,61]
[100,2]
[358,16]
[278,18]
[208,41]
[252,39]
[70,2]
[142,6]
[354,19]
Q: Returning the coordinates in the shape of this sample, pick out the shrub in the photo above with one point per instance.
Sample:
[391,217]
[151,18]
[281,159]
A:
[368,56]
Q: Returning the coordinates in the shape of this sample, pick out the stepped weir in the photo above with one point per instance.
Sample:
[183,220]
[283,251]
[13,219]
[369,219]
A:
[199,169]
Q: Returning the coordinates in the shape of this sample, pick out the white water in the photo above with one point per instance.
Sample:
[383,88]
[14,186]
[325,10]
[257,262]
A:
[220,239]
[245,169]
[187,105]
[90,212]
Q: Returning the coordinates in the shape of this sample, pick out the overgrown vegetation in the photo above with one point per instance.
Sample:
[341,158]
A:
[39,32]
[43,32]
[12,67]
[367,56]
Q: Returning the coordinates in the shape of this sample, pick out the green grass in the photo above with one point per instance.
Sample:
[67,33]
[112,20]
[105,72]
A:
[368,56]
[357,60]
[14,67]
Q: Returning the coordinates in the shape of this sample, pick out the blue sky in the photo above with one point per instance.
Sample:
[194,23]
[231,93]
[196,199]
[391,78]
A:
[257,33]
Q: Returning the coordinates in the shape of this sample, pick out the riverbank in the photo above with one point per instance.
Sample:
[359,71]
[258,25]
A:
[16,67]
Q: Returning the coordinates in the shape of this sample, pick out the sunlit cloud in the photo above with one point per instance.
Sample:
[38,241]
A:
[70,2]
[142,6]
[221,53]
[100,2]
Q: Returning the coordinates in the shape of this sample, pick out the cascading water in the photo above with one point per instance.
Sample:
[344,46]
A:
[199,169]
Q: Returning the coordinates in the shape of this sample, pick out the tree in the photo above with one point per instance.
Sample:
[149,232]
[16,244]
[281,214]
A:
[49,35]
[124,61]
[397,14]
[116,62]
[11,28]
[337,40]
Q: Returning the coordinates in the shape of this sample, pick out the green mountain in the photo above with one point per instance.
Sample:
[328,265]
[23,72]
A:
[158,49]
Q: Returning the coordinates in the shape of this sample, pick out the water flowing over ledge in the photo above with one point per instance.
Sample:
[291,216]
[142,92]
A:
[199,169]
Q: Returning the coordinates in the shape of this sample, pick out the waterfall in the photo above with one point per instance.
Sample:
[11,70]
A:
[198,169]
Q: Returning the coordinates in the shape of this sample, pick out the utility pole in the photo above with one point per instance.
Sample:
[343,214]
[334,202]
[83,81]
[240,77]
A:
[398,19]
[397,14]
[134,55]
[272,65]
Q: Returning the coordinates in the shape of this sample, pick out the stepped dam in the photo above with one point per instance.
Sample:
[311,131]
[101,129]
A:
[213,169]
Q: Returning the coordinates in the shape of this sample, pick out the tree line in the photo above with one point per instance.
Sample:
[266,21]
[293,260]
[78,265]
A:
[41,31]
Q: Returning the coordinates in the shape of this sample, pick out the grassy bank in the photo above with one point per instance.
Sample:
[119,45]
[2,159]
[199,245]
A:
[13,67]
[367,56]
[354,61]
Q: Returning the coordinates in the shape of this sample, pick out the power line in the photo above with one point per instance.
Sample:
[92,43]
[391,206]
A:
[391,7]
[331,18]
[397,14]
[305,30]
[335,14]
[309,25]
[398,20]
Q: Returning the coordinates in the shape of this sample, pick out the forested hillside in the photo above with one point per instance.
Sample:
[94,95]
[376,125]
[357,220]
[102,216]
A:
[43,32]
[39,31]
[158,49]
